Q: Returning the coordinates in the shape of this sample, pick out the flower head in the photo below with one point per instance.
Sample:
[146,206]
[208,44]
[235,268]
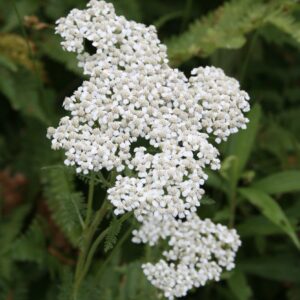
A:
[134,97]
[199,251]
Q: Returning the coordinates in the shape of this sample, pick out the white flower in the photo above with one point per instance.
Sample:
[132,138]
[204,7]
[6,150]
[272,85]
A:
[133,97]
[199,251]
[167,183]
[132,93]
[222,100]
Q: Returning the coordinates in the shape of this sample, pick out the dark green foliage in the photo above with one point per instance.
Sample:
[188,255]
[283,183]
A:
[113,232]
[67,205]
[31,246]
[9,231]
[256,191]
[228,26]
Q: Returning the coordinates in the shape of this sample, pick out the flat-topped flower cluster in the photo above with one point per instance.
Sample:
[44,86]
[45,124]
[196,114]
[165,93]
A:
[132,95]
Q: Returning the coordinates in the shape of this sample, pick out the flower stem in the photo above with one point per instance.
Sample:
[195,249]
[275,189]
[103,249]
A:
[90,200]
[233,203]
[88,234]
[91,253]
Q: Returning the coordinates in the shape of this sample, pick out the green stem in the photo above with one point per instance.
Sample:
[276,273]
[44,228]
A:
[166,18]
[103,181]
[90,200]
[233,203]
[88,235]
[232,190]
[98,218]
[97,242]
[87,256]
[78,213]
[91,254]
[91,225]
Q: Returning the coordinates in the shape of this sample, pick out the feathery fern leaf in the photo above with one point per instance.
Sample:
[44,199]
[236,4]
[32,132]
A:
[287,24]
[66,204]
[227,27]
[112,234]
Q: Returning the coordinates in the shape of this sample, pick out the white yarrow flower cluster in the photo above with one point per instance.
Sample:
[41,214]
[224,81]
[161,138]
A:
[133,96]
[199,249]
[222,100]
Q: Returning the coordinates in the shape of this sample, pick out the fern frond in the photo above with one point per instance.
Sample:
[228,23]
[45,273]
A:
[112,234]
[114,230]
[227,27]
[67,205]
[287,24]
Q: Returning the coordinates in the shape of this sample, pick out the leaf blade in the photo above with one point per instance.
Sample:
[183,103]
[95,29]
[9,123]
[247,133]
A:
[283,182]
[239,285]
[271,210]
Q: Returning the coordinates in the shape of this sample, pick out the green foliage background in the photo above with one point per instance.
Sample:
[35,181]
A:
[256,190]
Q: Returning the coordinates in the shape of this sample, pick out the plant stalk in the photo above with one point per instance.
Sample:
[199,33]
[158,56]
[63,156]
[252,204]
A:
[88,234]
[90,200]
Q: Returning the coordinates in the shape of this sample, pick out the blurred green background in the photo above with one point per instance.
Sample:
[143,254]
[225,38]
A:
[256,190]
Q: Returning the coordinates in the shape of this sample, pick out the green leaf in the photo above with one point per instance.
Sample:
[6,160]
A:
[239,285]
[215,181]
[286,23]
[257,226]
[285,267]
[271,210]
[112,234]
[283,182]
[227,27]
[65,203]
[206,200]
[21,89]
[241,144]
